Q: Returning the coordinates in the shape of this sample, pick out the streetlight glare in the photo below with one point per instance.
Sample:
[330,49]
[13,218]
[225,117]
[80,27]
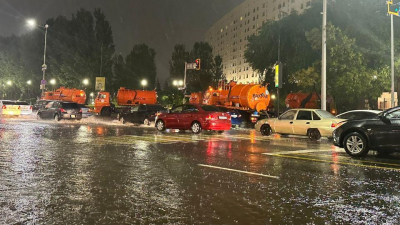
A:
[175,83]
[85,81]
[53,81]
[9,83]
[273,96]
[31,23]
[29,82]
[144,82]
[180,82]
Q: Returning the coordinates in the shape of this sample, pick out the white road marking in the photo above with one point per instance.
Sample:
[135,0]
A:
[304,151]
[239,171]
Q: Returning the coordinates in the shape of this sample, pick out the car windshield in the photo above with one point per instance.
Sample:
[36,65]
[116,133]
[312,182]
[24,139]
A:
[69,105]
[22,103]
[9,103]
[135,109]
[326,115]
[210,108]
[155,107]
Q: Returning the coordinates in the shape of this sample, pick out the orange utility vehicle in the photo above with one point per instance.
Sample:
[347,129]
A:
[65,94]
[310,100]
[238,96]
[126,98]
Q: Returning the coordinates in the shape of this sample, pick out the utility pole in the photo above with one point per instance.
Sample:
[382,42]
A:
[323,69]
[44,66]
[392,59]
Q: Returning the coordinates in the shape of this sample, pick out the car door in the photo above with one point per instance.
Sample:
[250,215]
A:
[188,114]
[302,122]
[284,124]
[45,112]
[171,119]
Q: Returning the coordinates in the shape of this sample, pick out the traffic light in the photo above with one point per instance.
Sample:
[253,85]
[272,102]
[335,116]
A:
[394,7]
[197,64]
[278,75]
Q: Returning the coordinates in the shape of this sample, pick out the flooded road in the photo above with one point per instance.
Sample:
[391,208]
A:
[105,173]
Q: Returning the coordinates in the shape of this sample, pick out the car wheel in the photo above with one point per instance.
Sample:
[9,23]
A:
[355,144]
[160,125]
[196,128]
[57,118]
[266,130]
[146,121]
[314,134]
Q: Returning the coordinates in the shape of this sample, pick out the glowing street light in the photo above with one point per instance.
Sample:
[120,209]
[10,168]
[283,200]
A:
[31,23]
[181,83]
[85,82]
[144,83]
[175,83]
[29,82]
[273,96]
[53,81]
[9,83]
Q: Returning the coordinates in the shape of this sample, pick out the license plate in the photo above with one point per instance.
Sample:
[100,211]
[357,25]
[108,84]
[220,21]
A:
[73,116]
[223,117]
[234,116]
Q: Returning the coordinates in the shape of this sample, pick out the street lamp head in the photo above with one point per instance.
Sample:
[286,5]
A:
[31,23]
[29,82]
[9,83]
[181,83]
[273,96]
[144,82]
[175,83]
[46,26]
[85,81]
[53,81]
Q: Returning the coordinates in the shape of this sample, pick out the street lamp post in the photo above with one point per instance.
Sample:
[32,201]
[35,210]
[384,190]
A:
[144,83]
[32,23]
[29,82]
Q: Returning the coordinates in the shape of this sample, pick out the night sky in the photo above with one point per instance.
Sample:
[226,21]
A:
[159,23]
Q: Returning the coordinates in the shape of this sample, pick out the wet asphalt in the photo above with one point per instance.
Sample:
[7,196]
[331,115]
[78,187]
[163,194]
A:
[97,171]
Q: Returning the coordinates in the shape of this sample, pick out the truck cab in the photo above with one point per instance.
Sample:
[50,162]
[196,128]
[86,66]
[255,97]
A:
[102,104]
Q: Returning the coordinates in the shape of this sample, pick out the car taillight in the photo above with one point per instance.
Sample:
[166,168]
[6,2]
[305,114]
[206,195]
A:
[4,107]
[80,110]
[19,107]
[210,117]
[30,107]
[90,110]
[62,110]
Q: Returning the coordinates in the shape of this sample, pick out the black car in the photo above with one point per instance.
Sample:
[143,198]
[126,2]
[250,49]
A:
[58,110]
[141,114]
[40,104]
[359,114]
[381,133]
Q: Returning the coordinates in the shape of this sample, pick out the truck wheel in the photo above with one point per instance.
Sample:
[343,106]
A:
[57,118]
[146,121]
[196,127]
[160,125]
[355,144]
[105,112]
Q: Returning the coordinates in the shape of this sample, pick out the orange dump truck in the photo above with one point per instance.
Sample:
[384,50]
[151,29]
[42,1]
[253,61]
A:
[126,98]
[239,96]
[65,94]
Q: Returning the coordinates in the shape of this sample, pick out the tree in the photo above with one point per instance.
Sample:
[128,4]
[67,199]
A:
[140,64]
[201,79]
[218,70]
[177,62]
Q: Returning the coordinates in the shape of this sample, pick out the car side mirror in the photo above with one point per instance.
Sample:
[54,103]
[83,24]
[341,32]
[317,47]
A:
[382,117]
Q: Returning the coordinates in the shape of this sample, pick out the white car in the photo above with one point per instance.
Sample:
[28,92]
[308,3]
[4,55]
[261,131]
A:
[314,123]
[26,108]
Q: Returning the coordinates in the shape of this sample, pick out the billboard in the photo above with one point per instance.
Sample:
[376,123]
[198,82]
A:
[100,84]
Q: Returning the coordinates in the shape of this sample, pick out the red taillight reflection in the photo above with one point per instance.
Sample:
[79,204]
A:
[333,125]
[62,110]
[4,107]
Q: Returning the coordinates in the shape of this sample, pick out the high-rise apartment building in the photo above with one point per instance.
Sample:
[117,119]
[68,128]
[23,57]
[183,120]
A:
[229,35]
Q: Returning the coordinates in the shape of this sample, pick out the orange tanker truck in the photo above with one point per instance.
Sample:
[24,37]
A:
[126,98]
[65,94]
[238,96]
[309,101]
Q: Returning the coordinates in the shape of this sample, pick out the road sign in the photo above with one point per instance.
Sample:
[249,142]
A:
[100,84]
[42,87]
[44,82]
[191,66]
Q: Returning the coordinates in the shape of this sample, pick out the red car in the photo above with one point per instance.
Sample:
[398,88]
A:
[195,118]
